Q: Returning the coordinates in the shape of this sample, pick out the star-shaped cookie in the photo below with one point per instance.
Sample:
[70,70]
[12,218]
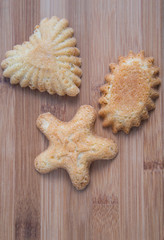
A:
[73,145]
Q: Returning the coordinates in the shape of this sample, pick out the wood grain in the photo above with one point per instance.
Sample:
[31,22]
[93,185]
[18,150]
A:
[124,200]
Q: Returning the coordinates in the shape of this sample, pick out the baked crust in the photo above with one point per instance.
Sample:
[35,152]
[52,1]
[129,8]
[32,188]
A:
[73,145]
[48,62]
[129,92]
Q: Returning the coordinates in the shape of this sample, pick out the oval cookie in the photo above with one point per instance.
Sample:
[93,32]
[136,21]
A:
[129,92]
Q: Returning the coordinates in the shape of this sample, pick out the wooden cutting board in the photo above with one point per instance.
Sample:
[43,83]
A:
[124,200]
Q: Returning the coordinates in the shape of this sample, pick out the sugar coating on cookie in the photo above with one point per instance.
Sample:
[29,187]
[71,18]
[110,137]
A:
[129,92]
[73,145]
[48,62]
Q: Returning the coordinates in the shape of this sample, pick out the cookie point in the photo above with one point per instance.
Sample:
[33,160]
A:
[142,53]
[131,53]
[36,165]
[113,149]
[40,117]
[80,181]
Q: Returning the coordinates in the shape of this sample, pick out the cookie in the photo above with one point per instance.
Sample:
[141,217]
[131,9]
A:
[73,145]
[129,92]
[48,62]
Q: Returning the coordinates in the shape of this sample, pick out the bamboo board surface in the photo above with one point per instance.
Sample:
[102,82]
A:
[124,200]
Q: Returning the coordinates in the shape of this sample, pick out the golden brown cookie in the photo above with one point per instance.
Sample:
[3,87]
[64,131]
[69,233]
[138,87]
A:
[73,145]
[129,93]
[48,62]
